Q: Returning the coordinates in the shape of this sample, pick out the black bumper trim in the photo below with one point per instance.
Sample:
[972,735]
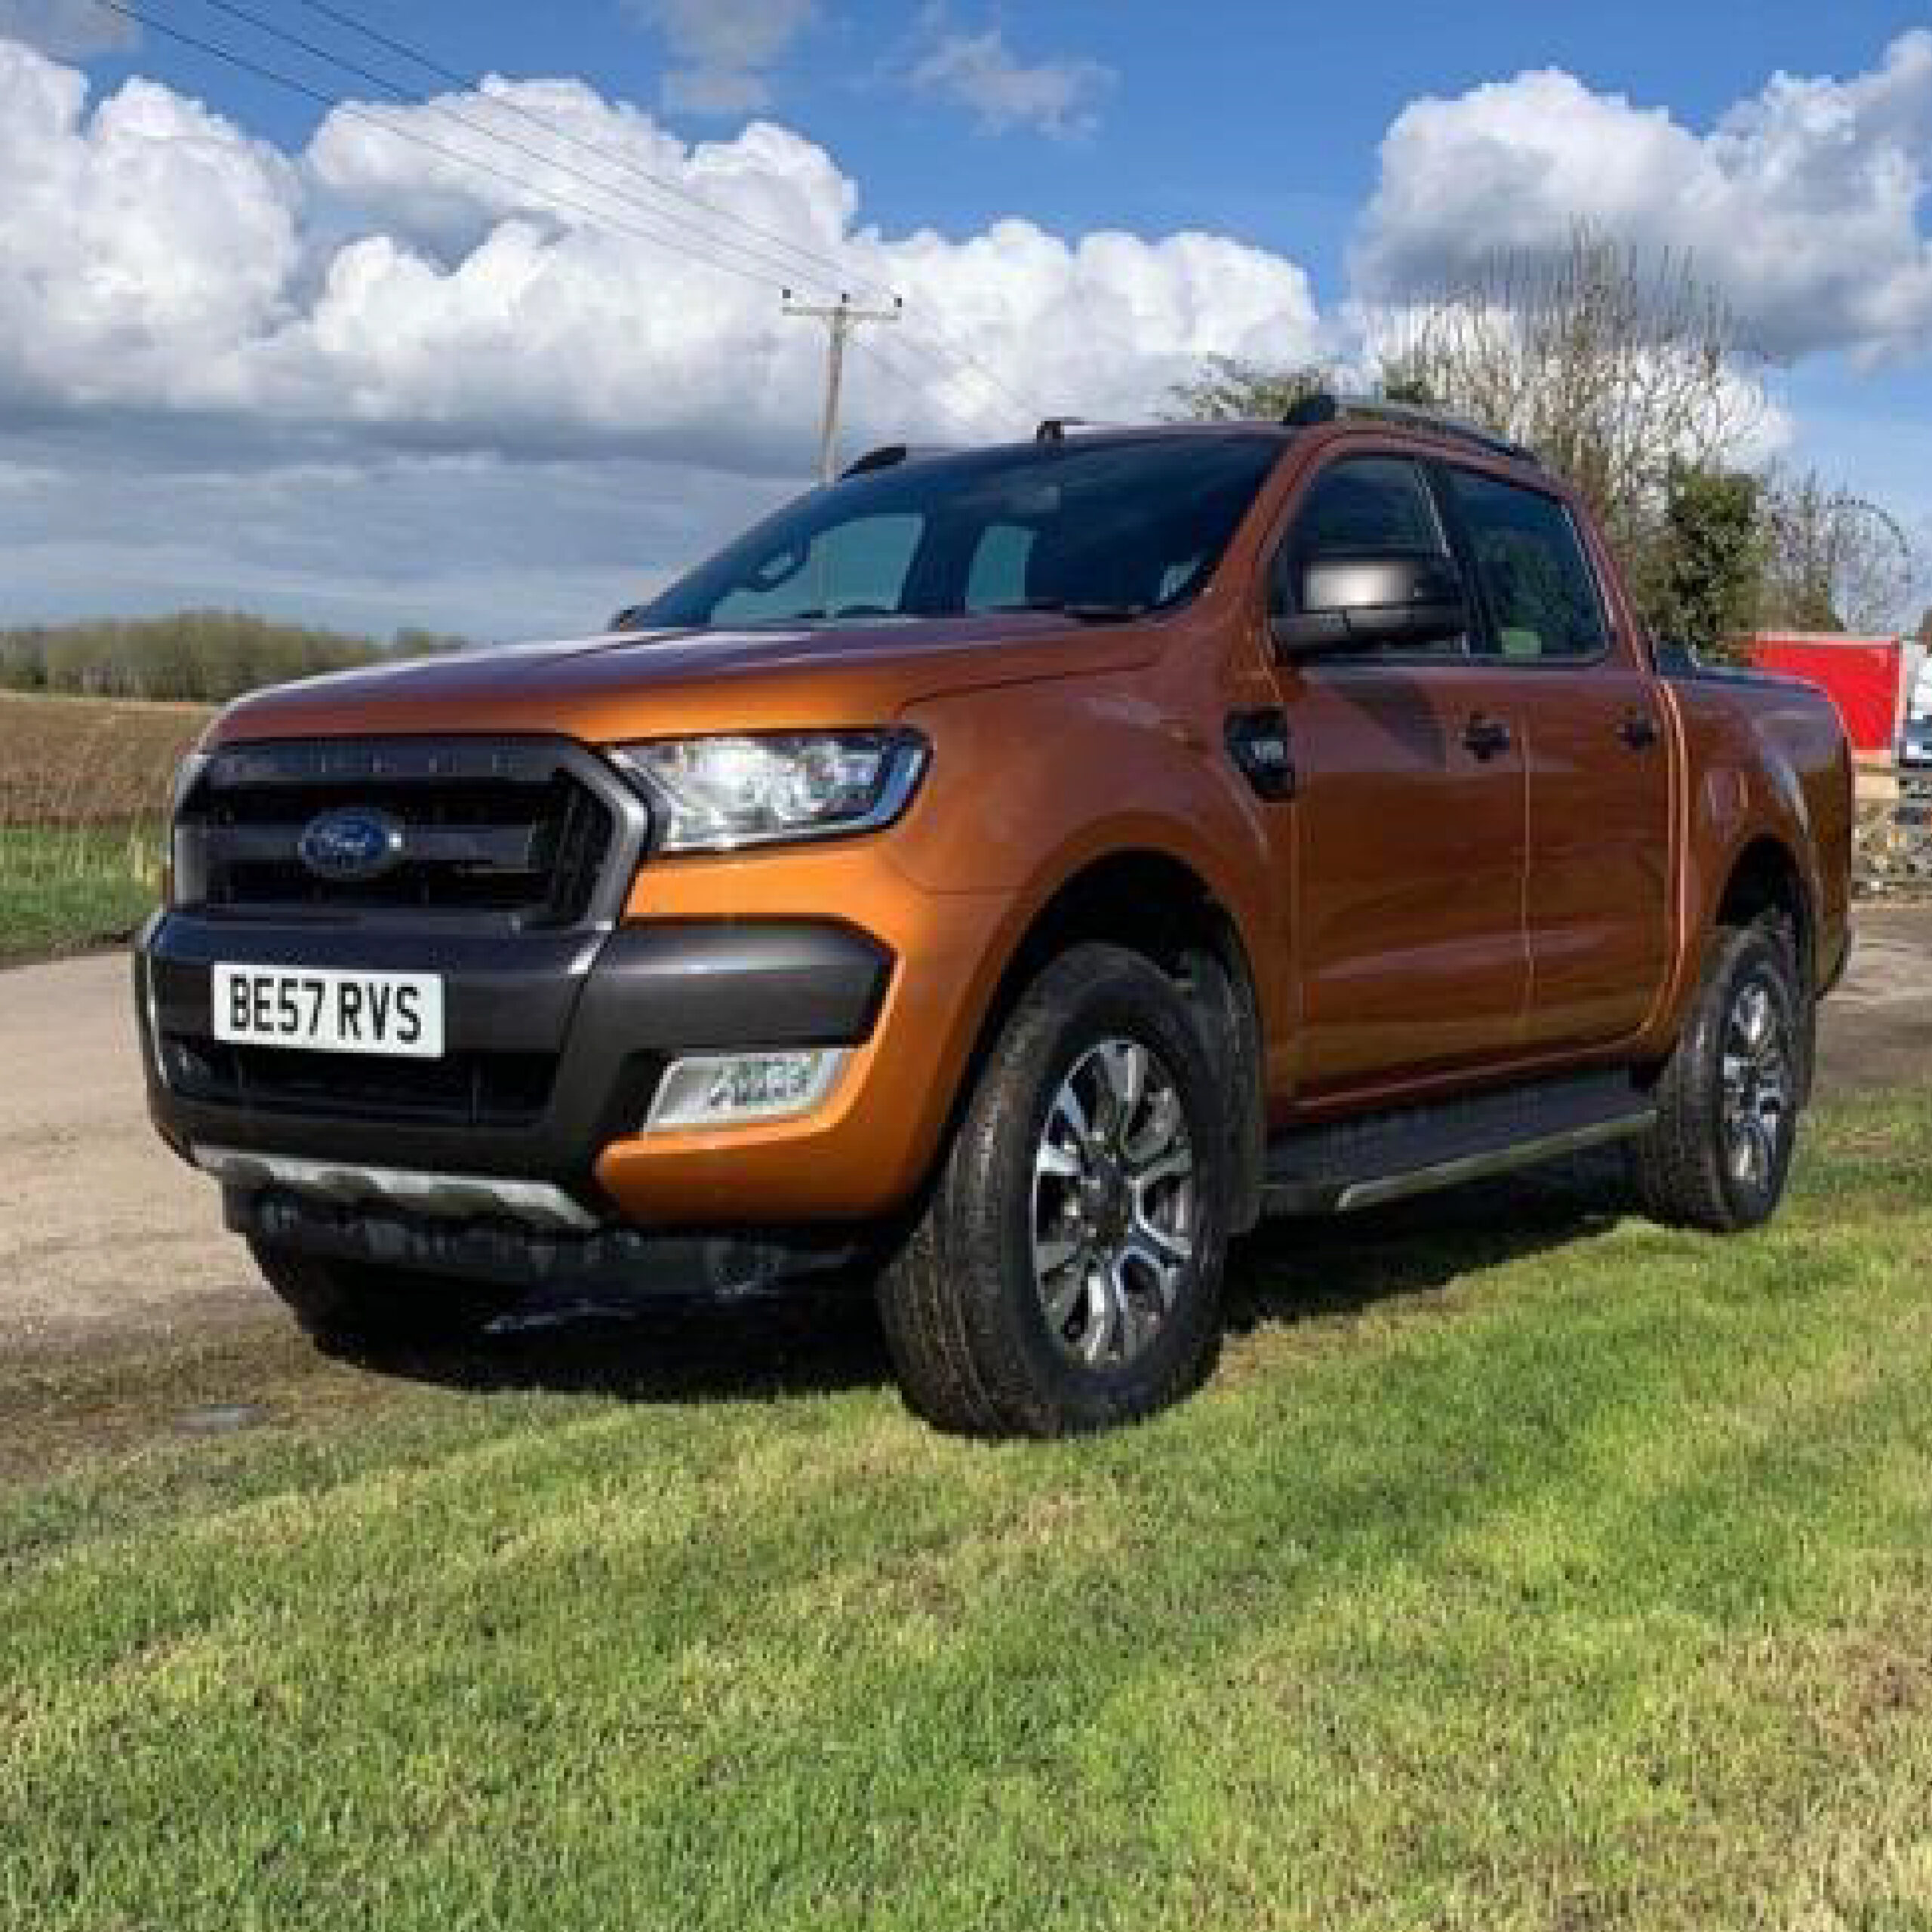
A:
[612,1260]
[612,1008]
[701,986]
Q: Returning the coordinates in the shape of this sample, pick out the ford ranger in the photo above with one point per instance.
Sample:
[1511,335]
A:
[1004,875]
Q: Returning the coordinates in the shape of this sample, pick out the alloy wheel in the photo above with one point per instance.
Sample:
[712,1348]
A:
[1115,1204]
[1755,1069]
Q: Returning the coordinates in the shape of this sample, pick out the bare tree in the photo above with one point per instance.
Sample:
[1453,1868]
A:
[1622,371]
[1629,375]
[1833,560]
[1627,372]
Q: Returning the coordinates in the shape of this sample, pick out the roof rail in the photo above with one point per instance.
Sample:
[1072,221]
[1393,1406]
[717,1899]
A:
[1057,429]
[889,456]
[1322,406]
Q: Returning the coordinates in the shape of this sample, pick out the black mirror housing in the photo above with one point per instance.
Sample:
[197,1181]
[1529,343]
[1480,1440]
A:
[1376,601]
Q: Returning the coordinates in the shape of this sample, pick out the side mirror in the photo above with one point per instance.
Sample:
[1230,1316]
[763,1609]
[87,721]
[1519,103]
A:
[1377,600]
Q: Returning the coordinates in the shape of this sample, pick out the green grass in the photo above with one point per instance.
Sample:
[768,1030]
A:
[1524,1567]
[62,890]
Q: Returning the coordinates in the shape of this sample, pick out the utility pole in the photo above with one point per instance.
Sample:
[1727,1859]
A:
[840,318]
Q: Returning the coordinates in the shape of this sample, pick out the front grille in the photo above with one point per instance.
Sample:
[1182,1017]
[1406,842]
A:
[517,832]
[476,1089]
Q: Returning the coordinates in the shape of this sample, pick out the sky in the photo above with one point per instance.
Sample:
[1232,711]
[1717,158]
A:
[496,344]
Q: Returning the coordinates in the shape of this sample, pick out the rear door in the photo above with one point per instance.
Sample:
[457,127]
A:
[1597,896]
[1406,859]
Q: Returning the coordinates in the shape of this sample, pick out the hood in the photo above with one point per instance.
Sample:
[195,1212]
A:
[646,684]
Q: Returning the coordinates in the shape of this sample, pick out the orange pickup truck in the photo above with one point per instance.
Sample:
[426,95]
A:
[1004,875]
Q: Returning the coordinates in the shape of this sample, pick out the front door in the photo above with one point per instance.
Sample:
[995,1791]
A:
[1408,845]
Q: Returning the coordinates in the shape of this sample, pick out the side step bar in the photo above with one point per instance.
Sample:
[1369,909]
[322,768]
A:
[1388,1156]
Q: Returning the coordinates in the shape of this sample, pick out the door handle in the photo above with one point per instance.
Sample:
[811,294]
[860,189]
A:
[1638,730]
[1486,737]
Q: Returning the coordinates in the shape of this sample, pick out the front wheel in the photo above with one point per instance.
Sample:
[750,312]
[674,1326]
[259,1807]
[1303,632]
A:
[1065,1274]
[1728,1098]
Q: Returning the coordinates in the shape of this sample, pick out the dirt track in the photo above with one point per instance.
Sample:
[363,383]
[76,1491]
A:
[101,1228]
[104,1234]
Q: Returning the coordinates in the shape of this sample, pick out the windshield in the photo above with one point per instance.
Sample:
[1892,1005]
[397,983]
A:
[1101,529]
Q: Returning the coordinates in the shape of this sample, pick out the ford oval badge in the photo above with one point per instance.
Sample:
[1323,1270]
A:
[350,844]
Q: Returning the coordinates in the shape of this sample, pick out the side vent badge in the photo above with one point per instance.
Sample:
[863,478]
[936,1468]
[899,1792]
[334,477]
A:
[1258,743]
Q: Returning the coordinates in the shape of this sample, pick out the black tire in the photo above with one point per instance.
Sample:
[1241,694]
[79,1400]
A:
[966,1317]
[354,1304]
[1692,1169]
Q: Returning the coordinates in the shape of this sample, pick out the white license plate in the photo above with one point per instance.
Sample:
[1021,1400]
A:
[322,1011]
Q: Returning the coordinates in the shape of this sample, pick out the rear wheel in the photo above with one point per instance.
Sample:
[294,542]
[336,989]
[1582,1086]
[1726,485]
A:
[352,1303]
[1729,1097]
[1066,1273]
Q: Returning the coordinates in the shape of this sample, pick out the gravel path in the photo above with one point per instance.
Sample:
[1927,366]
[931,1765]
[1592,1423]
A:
[102,1230]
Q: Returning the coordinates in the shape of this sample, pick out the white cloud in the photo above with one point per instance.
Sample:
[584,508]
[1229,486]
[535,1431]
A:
[141,246]
[176,296]
[1802,205]
[979,70]
[724,49]
[69,29]
[153,257]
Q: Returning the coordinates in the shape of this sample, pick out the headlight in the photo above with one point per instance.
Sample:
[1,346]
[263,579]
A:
[713,795]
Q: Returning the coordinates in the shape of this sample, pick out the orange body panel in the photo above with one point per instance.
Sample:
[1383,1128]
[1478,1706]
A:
[1412,920]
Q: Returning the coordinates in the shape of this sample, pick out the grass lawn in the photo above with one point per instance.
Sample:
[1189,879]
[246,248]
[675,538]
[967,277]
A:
[63,889]
[1525,1566]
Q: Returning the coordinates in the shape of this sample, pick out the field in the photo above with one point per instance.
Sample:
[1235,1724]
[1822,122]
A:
[83,793]
[1526,1566]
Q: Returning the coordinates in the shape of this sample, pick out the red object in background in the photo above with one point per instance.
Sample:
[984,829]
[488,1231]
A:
[1863,676]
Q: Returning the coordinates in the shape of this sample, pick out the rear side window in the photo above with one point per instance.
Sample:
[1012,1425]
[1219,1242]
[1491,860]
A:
[1541,591]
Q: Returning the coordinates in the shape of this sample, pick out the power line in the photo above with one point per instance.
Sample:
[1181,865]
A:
[408,97]
[918,386]
[939,342]
[815,265]
[353,111]
[350,109]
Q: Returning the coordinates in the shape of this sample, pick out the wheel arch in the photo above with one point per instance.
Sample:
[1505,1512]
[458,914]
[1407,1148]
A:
[1764,876]
[1153,902]
[1766,879]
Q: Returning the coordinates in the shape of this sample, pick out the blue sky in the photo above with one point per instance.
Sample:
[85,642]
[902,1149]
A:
[1266,124]
[315,361]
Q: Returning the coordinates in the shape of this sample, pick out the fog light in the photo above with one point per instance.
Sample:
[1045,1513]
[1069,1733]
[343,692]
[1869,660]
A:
[721,1090]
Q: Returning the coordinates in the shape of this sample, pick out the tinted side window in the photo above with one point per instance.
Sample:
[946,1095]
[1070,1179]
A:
[1541,591]
[1355,507]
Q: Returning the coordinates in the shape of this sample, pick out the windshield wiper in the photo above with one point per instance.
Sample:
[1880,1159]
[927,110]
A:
[1084,610]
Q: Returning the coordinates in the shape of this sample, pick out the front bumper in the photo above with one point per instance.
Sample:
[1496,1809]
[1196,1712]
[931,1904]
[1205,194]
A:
[554,1042]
